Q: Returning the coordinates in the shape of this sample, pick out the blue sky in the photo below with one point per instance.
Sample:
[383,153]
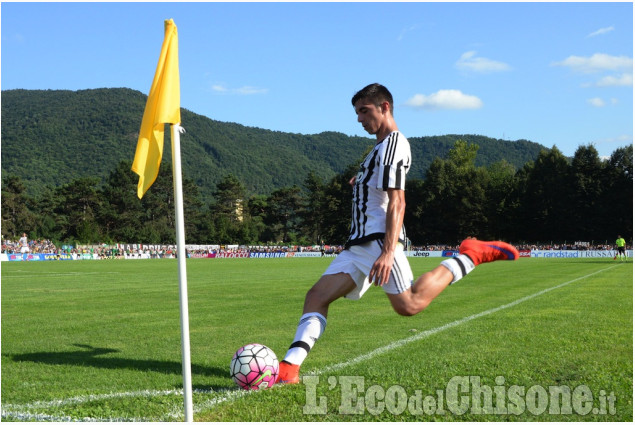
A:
[553,73]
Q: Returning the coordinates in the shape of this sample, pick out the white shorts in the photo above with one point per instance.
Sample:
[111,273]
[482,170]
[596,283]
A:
[357,261]
[24,250]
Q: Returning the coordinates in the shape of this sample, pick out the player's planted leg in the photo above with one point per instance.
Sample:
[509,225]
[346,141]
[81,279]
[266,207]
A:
[310,328]
[312,323]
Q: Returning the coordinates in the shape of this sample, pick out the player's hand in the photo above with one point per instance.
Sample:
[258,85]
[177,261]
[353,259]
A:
[352,181]
[380,271]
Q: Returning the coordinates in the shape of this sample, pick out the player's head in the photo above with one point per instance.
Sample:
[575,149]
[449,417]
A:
[374,93]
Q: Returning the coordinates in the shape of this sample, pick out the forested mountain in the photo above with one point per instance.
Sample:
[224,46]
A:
[51,137]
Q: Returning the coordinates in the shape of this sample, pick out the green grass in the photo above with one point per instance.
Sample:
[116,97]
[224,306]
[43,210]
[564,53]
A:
[101,340]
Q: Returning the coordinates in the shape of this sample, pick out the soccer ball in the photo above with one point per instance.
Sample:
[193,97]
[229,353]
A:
[254,367]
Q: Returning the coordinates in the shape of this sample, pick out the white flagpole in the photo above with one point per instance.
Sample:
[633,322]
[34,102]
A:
[180,249]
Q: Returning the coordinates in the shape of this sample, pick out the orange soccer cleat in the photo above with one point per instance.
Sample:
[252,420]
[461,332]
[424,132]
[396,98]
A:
[288,373]
[485,252]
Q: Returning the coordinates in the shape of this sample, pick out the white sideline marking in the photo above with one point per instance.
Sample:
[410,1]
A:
[32,275]
[20,410]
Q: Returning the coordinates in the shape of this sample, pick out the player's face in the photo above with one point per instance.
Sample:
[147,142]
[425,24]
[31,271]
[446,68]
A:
[369,115]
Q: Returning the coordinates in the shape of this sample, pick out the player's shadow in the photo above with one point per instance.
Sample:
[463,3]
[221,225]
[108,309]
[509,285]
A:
[90,356]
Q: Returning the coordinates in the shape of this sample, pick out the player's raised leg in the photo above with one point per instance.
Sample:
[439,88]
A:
[428,286]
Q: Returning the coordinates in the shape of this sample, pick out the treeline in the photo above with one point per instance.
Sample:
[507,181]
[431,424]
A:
[550,199]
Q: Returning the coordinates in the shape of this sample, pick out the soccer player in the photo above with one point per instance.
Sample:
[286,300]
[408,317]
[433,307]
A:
[374,252]
[621,251]
[24,244]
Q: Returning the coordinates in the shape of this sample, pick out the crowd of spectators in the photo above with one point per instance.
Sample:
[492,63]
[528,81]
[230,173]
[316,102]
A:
[244,250]
[36,246]
[436,247]
[45,246]
[576,246]
[570,247]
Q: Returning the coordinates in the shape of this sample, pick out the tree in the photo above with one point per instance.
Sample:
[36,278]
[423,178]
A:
[49,225]
[314,209]
[454,203]
[618,193]
[587,209]
[192,212]
[229,197]
[122,212]
[500,201]
[253,224]
[79,202]
[545,198]
[226,215]
[282,218]
[337,206]
[416,226]
[17,216]
[159,222]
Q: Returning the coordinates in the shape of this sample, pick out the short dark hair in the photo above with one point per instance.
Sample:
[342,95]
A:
[376,93]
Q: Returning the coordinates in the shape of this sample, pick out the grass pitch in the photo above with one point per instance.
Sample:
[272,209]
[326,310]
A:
[100,340]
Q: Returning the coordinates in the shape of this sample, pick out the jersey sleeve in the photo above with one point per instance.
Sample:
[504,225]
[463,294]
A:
[394,162]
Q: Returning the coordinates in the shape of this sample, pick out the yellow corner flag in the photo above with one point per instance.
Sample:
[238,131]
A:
[163,106]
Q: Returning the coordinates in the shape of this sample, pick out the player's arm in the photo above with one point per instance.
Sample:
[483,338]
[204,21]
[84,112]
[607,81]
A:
[380,272]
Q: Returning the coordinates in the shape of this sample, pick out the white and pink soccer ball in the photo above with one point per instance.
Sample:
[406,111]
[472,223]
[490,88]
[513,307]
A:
[254,367]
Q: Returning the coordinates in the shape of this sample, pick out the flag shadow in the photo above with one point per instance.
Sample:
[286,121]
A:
[89,356]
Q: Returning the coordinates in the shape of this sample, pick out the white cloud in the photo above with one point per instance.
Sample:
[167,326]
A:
[612,81]
[597,63]
[602,63]
[601,31]
[247,90]
[469,61]
[405,31]
[621,139]
[597,102]
[445,99]
[219,88]
[244,90]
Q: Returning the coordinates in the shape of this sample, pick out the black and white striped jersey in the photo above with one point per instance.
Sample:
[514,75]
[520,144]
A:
[384,168]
